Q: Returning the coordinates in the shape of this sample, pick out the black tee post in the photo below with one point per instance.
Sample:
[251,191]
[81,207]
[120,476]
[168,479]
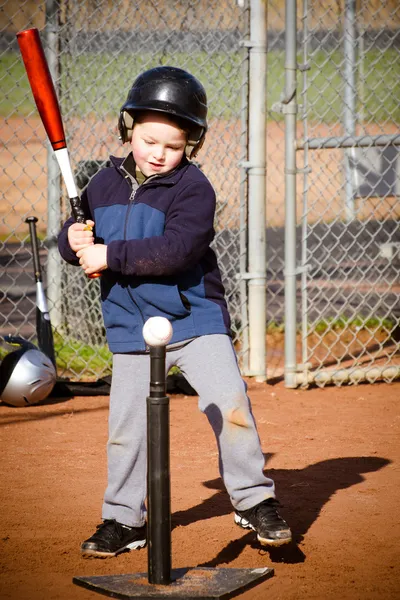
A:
[158,472]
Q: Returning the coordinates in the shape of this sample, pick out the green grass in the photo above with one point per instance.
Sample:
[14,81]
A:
[75,357]
[377,95]
[21,238]
[339,323]
[78,357]
[356,323]
[96,84]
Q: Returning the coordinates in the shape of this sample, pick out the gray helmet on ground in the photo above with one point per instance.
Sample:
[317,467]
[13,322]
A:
[27,376]
[171,91]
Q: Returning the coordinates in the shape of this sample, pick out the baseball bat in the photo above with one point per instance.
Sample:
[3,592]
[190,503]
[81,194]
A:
[45,97]
[43,323]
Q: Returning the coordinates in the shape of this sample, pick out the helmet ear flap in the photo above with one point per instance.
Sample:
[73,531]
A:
[125,126]
[193,147]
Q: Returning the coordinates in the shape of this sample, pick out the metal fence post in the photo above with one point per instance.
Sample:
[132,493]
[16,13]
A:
[256,179]
[243,230]
[349,99]
[53,180]
[289,108]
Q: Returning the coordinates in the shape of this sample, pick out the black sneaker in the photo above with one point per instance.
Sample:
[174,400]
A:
[265,520]
[112,537]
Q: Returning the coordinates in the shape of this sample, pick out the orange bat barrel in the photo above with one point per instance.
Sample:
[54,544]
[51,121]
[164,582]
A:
[42,86]
[45,96]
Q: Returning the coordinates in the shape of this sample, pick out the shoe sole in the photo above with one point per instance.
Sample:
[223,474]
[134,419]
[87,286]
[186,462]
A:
[245,524]
[88,553]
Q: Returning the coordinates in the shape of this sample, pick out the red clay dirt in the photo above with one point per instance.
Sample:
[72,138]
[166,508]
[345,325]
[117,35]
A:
[334,454]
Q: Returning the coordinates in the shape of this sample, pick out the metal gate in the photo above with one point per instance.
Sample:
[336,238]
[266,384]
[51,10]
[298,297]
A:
[343,256]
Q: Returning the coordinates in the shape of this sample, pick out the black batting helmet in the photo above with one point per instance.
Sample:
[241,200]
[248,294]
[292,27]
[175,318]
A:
[171,91]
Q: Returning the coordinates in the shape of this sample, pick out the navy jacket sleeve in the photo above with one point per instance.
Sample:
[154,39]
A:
[189,230]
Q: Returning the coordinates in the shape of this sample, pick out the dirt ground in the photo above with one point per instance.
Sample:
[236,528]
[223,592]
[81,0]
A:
[334,454]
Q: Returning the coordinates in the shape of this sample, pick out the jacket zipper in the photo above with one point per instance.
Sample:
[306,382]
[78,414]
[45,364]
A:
[131,202]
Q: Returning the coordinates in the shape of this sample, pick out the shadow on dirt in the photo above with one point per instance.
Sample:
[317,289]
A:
[65,389]
[32,414]
[302,493]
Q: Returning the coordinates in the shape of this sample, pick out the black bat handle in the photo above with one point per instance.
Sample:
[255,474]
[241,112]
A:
[77,211]
[79,217]
[35,248]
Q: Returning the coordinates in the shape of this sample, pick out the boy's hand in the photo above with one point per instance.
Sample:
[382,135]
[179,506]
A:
[80,235]
[93,258]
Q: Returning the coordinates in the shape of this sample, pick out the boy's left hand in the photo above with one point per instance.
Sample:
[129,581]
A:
[93,258]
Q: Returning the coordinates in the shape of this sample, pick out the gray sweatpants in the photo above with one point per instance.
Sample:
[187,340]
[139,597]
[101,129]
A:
[209,364]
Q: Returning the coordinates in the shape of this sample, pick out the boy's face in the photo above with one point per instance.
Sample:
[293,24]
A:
[158,145]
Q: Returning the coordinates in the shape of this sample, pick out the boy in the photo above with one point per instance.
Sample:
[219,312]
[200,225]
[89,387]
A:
[154,214]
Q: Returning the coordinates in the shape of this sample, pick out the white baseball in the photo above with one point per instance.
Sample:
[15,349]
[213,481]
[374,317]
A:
[157,331]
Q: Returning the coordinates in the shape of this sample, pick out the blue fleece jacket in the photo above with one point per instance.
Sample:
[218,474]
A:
[160,263]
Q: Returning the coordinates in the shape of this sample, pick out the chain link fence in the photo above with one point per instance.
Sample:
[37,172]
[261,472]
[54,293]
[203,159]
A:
[95,51]
[349,184]
[347,232]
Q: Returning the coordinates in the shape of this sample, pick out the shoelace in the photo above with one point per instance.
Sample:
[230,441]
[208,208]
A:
[271,517]
[110,527]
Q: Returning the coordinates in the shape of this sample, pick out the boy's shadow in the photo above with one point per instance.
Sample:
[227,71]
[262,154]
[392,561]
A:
[302,493]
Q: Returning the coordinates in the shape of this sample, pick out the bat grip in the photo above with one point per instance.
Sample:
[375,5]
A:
[79,217]
[35,248]
[77,211]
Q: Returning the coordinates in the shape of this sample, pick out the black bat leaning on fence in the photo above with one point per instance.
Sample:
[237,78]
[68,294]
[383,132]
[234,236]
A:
[43,323]
[63,387]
